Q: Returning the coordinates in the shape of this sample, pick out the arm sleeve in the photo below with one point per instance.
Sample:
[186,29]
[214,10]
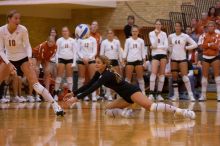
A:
[170,46]
[27,44]
[74,51]
[102,49]
[79,50]
[119,51]
[125,53]
[192,43]
[94,49]
[84,87]
[2,50]
[58,48]
[143,51]
[98,83]
[153,41]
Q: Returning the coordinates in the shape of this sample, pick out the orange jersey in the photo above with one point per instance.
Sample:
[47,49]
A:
[98,38]
[211,50]
[44,52]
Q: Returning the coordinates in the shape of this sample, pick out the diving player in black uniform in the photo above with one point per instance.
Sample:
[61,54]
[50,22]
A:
[130,93]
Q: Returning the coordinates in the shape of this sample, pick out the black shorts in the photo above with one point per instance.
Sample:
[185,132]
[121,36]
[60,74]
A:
[130,90]
[18,65]
[179,61]
[82,63]
[210,60]
[114,62]
[64,61]
[135,63]
[159,57]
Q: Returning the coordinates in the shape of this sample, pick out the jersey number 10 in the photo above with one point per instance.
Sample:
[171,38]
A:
[12,43]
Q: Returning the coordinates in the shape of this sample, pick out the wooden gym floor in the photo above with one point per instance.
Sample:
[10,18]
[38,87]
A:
[34,124]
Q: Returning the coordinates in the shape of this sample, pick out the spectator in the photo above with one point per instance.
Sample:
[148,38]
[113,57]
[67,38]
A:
[94,33]
[217,8]
[127,28]
[203,21]
[212,14]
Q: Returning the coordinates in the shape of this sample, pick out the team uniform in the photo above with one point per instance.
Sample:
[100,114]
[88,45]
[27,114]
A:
[112,50]
[66,54]
[87,48]
[125,90]
[135,54]
[98,38]
[159,51]
[18,50]
[178,46]
[210,54]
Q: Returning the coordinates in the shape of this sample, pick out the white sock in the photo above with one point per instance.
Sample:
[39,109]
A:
[204,83]
[94,94]
[175,89]
[161,107]
[217,81]
[57,84]
[187,84]
[126,79]
[70,83]
[108,91]
[160,83]
[152,81]
[43,92]
[141,84]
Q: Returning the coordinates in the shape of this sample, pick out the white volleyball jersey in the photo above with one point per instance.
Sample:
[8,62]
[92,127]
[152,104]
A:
[66,49]
[179,44]
[16,45]
[134,50]
[159,43]
[111,49]
[87,48]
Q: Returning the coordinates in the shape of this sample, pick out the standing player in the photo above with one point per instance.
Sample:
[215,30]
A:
[65,59]
[130,94]
[210,45]
[14,39]
[94,33]
[87,50]
[111,48]
[134,55]
[159,46]
[178,43]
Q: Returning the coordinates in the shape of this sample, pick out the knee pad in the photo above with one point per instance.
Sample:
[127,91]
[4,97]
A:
[58,80]
[153,77]
[204,81]
[185,79]
[175,84]
[217,80]
[69,80]
[38,88]
[161,78]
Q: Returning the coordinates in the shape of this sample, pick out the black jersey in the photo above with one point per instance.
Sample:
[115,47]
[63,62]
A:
[108,79]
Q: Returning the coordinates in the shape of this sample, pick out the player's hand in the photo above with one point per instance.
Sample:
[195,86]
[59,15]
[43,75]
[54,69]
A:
[30,61]
[71,101]
[12,69]
[68,96]
[86,61]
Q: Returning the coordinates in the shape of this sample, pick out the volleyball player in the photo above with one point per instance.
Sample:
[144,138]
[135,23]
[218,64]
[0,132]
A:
[87,50]
[66,59]
[111,48]
[134,55]
[210,44]
[130,94]
[179,42]
[15,40]
[159,47]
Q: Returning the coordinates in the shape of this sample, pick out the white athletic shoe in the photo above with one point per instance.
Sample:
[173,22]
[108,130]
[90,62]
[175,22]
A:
[94,98]
[24,99]
[191,98]
[109,98]
[127,113]
[30,98]
[159,98]
[218,98]
[175,98]
[17,99]
[57,109]
[4,100]
[189,114]
[37,98]
[202,98]
[55,97]
[151,97]
[86,98]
